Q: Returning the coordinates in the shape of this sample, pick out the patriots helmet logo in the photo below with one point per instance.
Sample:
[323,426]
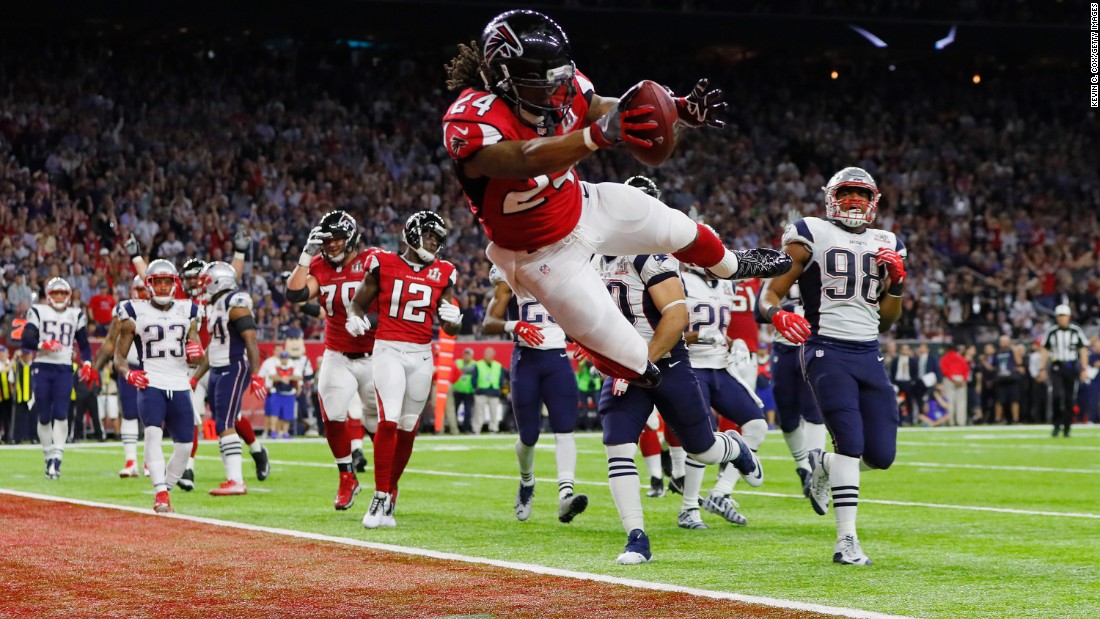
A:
[503,42]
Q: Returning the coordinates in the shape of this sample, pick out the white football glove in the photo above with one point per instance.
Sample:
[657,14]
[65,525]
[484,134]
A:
[619,387]
[450,313]
[316,238]
[357,325]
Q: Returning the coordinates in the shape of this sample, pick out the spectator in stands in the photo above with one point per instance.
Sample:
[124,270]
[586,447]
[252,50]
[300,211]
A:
[956,376]
[936,414]
[101,308]
[903,374]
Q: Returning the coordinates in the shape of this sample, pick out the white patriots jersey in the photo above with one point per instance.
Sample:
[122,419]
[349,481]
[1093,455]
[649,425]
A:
[54,325]
[709,303]
[842,284]
[226,345]
[161,338]
[528,309]
[628,279]
[132,354]
[792,303]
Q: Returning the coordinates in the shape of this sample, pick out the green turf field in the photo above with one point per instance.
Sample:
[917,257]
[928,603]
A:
[978,522]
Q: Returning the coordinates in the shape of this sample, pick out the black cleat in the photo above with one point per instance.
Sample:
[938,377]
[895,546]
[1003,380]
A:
[650,379]
[358,461]
[761,262]
[666,462]
[656,488]
[676,485]
[187,481]
[805,476]
[263,466]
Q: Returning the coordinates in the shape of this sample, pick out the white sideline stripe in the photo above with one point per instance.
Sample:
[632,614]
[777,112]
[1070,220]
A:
[512,565]
[581,482]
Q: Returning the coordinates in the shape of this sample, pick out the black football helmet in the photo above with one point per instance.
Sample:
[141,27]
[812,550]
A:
[527,50]
[421,223]
[646,184]
[339,225]
[190,274]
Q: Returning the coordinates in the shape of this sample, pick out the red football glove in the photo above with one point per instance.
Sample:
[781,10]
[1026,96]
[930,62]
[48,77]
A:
[791,326]
[194,382]
[578,352]
[616,126]
[895,266]
[194,352]
[258,387]
[532,334]
[701,107]
[88,375]
[137,378]
[52,346]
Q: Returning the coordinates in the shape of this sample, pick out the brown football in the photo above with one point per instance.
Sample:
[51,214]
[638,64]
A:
[664,135]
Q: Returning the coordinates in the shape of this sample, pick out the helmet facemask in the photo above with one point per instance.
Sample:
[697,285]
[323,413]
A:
[58,294]
[854,209]
[333,256]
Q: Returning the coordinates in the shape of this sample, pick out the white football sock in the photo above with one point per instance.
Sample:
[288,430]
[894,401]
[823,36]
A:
[230,446]
[653,465]
[356,443]
[177,464]
[726,267]
[154,457]
[45,439]
[693,481]
[844,479]
[723,450]
[796,443]
[622,476]
[565,452]
[727,478]
[129,431]
[525,454]
[815,436]
[256,446]
[679,456]
[60,433]
[754,432]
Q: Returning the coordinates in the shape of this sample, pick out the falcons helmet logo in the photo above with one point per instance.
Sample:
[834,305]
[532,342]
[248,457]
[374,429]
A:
[502,42]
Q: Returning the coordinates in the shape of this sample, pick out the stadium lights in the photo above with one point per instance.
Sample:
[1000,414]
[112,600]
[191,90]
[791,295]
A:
[877,42]
[947,40]
[977,79]
[834,74]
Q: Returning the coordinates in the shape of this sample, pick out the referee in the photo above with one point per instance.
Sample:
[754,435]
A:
[1066,347]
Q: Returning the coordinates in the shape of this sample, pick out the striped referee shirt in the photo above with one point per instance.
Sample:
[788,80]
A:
[1065,344]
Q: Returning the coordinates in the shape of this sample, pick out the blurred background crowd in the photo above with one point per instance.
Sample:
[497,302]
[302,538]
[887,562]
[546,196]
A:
[986,162]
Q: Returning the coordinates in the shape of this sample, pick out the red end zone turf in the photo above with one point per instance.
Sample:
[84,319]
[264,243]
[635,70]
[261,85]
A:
[61,560]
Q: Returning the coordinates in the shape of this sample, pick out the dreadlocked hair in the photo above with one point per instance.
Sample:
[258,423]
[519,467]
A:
[464,71]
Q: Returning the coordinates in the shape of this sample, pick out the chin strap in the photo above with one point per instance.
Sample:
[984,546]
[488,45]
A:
[424,254]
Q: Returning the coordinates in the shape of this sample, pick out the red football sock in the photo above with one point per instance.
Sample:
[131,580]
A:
[401,455]
[195,442]
[355,428]
[385,445]
[611,368]
[336,432]
[244,430]
[725,424]
[706,251]
[650,443]
[671,438]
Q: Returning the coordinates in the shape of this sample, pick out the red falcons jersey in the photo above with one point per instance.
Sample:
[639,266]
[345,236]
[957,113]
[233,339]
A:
[408,296]
[742,320]
[518,214]
[337,286]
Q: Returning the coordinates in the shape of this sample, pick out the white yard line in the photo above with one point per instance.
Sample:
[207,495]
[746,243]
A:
[512,565]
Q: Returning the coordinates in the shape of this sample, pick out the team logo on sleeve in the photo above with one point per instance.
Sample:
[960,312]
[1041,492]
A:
[434,274]
[457,144]
[502,42]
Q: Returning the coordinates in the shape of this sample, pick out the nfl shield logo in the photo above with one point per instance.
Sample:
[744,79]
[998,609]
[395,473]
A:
[434,273]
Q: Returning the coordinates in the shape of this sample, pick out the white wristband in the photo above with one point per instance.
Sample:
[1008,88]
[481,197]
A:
[238,255]
[304,260]
[510,326]
[588,141]
[136,259]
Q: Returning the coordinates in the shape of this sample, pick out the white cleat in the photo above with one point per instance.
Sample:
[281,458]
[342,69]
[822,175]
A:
[848,552]
[130,470]
[820,492]
[376,513]
[724,506]
[690,519]
[523,501]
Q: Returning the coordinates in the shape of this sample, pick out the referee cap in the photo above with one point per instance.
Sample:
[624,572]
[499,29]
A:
[1062,310]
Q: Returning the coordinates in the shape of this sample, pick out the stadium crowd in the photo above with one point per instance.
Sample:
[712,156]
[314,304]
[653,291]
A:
[987,184]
